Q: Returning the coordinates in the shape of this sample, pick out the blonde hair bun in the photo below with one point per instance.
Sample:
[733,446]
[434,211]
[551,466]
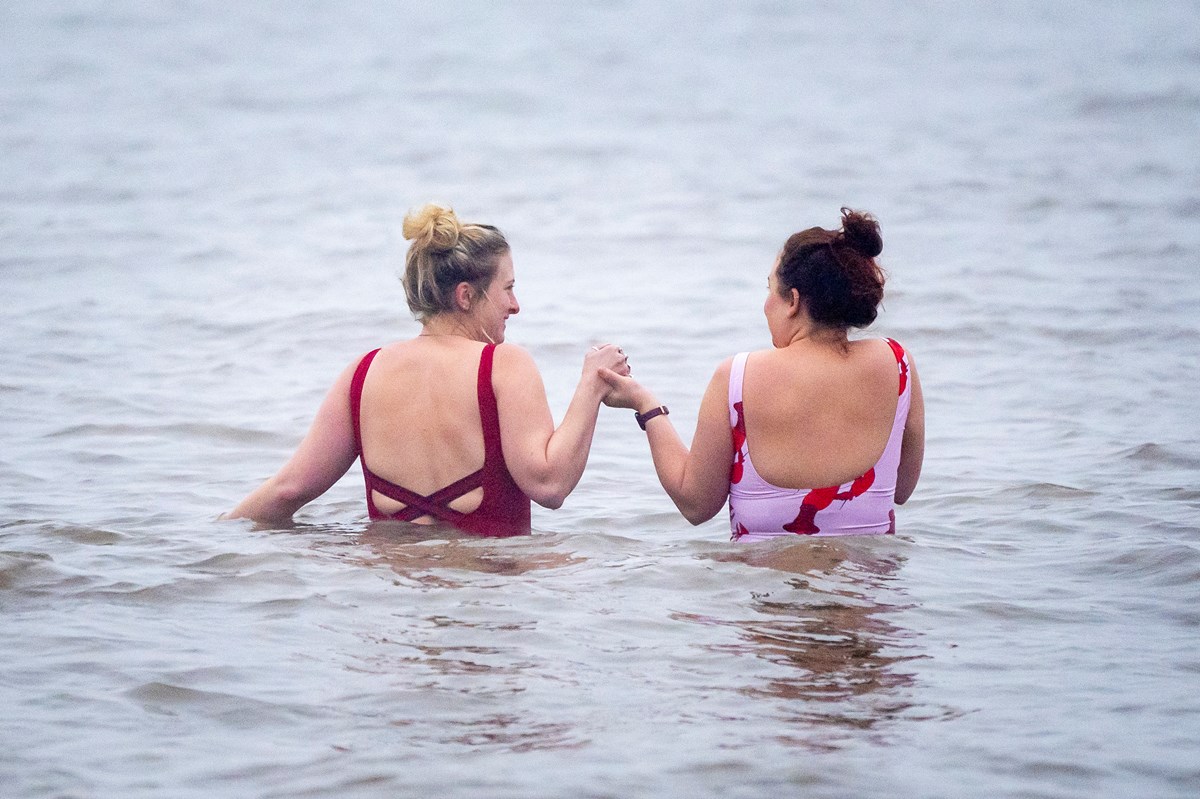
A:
[432,227]
[445,252]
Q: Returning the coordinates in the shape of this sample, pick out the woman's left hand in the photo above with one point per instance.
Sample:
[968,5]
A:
[606,356]
[625,392]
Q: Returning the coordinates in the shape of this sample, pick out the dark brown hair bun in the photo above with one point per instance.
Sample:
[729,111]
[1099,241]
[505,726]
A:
[861,232]
[835,271]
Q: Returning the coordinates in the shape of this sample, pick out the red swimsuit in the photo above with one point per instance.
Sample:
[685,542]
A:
[505,508]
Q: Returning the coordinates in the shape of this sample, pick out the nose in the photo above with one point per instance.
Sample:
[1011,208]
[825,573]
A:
[514,307]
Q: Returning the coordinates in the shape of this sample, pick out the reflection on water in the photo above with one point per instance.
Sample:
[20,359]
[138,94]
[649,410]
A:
[466,656]
[429,553]
[515,734]
[1034,169]
[840,656]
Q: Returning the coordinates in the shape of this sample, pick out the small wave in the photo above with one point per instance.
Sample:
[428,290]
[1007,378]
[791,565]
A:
[1188,208]
[214,432]
[1152,454]
[1186,493]
[89,535]
[1141,251]
[514,734]
[1047,492]
[232,563]
[240,711]
[16,567]
[1025,612]
[1177,99]
[1163,564]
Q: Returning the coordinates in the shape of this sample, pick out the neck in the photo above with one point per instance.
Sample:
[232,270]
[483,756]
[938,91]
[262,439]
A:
[453,326]
[819,335]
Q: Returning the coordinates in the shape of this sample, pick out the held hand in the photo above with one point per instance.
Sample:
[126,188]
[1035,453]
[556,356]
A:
[606,356]
[625,392]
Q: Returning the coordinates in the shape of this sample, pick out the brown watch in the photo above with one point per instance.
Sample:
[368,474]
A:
[642,418]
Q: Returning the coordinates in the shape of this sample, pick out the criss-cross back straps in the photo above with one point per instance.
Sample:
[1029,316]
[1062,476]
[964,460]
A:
[436,504]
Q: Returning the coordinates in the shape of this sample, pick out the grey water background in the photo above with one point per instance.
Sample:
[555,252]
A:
[199,226]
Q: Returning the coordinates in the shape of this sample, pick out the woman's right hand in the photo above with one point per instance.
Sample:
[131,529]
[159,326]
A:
[606,356]
[625,392]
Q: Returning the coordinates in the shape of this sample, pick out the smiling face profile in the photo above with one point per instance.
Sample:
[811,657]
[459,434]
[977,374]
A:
[498,301]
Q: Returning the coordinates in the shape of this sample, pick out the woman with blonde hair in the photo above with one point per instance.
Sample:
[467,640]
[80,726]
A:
[818,435]
[453,425]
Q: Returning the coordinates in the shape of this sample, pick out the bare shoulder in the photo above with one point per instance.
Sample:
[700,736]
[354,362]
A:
[888,344]
[719,383]
[347,373]
[718,387]
[903,351]
[875,354]
[513,360]
[721,373]
[514,371]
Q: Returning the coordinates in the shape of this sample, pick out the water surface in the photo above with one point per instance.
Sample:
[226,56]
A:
[199,227]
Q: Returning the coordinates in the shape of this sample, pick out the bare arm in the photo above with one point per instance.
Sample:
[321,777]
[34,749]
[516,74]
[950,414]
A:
[697,480]
[545,462]
[324,455]
[912,445]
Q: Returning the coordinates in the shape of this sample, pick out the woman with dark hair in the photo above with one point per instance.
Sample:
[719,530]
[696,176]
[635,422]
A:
[818,435]
[452,425]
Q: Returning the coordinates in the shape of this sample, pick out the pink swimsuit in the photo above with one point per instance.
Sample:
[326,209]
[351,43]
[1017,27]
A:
[863,506]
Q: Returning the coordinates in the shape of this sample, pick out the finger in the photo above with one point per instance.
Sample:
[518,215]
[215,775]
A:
[610,377]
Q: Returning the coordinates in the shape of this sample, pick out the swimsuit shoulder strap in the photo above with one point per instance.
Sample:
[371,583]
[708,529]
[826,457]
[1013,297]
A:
[489,415]
[901,363]
[356,389]
[737,372]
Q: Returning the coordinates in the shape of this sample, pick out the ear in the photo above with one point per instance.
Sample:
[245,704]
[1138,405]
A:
[464,295]
[794,302]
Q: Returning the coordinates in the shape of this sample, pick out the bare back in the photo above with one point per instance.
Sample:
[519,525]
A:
[420,417]
[818,415]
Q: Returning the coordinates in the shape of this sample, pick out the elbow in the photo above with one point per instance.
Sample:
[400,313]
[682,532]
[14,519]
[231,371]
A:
[698,514]
[905,486]
[547,494]
[292,494]
[548,489]
[904,490]
[550,501]
[697,506]
[277,500]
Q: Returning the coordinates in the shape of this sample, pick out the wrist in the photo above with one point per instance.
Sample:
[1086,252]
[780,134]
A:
[594,384]
[642,417]
[643,401]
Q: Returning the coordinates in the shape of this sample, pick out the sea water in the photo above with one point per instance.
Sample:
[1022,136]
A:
[200,207]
